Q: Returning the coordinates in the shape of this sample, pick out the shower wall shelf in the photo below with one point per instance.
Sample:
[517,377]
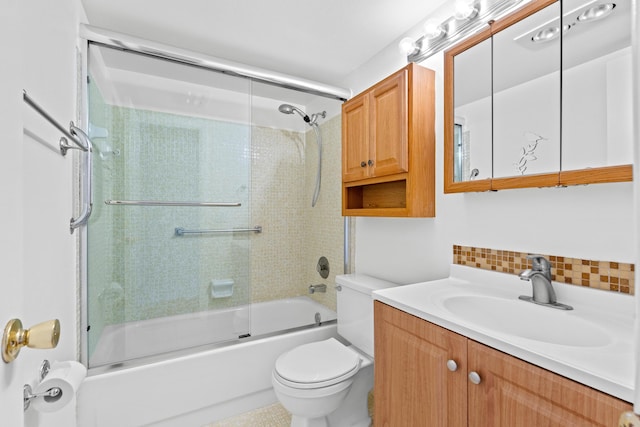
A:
[161,203]
[181,231]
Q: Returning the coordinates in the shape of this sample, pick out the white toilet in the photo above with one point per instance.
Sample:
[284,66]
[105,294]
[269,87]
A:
[326,383]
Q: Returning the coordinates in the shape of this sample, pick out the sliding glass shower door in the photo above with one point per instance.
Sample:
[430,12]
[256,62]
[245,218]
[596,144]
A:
[170,235]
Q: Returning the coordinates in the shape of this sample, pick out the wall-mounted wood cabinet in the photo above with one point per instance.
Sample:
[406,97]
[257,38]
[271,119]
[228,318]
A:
[388,147]
[422,377]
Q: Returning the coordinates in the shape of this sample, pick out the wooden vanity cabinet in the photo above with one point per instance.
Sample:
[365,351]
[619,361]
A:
[388,147]
[416,384]
[413,386]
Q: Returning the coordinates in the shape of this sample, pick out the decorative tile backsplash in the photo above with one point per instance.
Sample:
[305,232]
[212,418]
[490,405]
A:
[607,275]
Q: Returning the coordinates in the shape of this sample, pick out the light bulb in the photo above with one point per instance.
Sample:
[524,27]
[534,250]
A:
[464,10]
[546,35]
[597,12]
[408,46]
[433,30]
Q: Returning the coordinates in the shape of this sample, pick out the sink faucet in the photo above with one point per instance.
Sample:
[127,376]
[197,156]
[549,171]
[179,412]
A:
[540,277]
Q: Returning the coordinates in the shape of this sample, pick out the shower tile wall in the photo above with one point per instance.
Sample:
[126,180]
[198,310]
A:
[285,255]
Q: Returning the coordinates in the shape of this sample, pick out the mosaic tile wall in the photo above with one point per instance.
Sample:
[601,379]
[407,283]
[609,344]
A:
[285,255]
[606,275]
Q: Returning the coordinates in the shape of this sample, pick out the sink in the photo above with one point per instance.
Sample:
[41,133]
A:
[526,320]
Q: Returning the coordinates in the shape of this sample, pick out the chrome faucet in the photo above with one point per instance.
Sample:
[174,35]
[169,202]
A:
[540,277]
[317,288]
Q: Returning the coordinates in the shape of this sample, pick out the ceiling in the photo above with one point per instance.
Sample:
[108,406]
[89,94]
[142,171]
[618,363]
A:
[321,40]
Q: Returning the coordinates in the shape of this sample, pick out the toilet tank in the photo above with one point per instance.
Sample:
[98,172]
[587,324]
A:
[355,308]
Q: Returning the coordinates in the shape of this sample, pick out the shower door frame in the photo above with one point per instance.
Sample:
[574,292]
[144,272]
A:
[125,42]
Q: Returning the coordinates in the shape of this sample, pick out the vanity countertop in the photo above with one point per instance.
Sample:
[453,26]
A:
[592,344]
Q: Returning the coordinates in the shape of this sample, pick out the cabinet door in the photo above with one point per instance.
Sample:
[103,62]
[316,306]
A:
[515,393]
[413,386]
[355,139]
[389,126]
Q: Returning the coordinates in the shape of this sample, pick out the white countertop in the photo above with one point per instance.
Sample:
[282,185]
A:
[608,367]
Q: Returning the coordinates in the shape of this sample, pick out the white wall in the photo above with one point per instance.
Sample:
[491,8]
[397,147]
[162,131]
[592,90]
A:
[36,250]
[592,222]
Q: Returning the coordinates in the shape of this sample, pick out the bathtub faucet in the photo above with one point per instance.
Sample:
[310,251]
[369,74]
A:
[317,288]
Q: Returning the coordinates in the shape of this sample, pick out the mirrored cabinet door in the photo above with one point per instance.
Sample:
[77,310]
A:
[560,111]
[472,114]
[526,96]
[597,105]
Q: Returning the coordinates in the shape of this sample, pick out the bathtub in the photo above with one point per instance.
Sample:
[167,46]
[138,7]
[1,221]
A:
[203,384]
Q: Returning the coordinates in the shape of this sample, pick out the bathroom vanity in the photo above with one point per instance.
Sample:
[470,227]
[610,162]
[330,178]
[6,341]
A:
[465,351]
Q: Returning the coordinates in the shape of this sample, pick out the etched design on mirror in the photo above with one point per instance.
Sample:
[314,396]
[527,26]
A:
[528,151]
[526,95]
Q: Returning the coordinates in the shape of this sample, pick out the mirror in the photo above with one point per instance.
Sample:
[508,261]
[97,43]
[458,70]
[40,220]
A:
[528,104]
[526,97]
[472,114]
[597,101]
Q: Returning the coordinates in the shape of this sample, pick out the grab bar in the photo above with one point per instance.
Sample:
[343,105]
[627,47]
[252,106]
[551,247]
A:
[87,181]
[161,203]
[82,143]
[181,231]
[64,146]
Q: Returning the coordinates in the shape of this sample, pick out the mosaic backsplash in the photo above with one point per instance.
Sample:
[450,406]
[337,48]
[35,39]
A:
[607,275]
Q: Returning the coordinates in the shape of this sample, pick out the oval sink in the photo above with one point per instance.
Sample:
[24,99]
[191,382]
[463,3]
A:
[527,320]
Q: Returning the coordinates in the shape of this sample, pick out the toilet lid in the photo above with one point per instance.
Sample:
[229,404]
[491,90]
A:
[317,362]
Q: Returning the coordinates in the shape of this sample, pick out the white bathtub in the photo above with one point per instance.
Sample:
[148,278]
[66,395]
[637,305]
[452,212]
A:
[203,386]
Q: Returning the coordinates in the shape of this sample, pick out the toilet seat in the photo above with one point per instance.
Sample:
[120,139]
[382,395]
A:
[316,365]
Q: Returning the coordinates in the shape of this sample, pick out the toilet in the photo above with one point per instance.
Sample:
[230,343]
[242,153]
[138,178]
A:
[326,383]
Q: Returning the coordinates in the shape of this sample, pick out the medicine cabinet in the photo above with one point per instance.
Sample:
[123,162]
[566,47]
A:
[541,98]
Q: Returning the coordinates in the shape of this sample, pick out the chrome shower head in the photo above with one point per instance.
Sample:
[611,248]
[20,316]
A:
[289,109]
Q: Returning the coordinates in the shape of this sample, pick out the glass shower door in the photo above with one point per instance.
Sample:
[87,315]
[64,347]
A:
[169,240]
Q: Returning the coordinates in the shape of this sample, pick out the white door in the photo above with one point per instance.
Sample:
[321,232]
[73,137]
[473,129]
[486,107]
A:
[38,42]
[11,291]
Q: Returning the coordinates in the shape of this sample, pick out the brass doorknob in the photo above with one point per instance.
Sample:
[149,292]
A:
[42,335]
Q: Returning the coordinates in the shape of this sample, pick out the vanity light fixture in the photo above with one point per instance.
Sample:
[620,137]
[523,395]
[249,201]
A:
[596,12]
[433,30]
[465,9]
[467,17]
[408,46]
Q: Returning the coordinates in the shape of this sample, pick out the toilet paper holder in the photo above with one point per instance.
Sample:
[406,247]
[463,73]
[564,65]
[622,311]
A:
[50,395]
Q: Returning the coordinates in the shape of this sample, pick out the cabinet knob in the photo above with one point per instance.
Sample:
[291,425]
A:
[370,162]
[474,377]
[362,164]
[452,365]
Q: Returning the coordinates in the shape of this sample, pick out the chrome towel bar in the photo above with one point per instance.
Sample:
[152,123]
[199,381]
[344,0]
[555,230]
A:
[68,134]
[181,231]
[161,203]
